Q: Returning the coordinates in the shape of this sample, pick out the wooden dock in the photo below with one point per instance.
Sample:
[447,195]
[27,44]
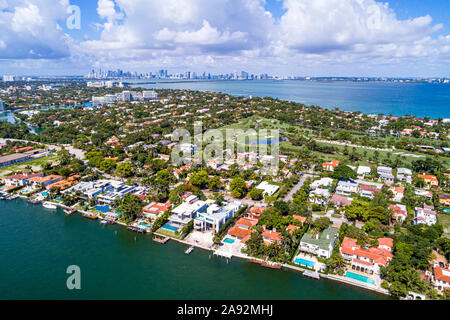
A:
[161,240]
[311,274]
[189,250]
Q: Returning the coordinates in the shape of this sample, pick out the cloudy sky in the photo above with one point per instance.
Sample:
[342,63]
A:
[284,37]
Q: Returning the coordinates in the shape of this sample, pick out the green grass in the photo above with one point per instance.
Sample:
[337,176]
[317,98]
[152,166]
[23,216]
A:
[33,163]
[444,219]
[167,233]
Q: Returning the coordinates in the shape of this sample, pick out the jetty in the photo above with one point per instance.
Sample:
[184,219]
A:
[136,229]
[223,254]
[311,274]
[161,240]
[90,216]
[189,250]
[69,211]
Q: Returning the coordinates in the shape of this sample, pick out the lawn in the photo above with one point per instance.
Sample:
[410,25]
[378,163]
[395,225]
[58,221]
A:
[34,164]
[444,219]
[167,233]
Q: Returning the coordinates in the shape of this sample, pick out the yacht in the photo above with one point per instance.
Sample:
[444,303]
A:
[49,205]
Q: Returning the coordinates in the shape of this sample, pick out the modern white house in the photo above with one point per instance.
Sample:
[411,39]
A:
[324,182]
[425,215]
[404,174]
[215,216]
[347,187]
[363,171]
[186,211]
[386,174]
[267,188]
[105,191]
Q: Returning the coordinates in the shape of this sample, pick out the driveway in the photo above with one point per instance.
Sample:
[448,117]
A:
[297,187]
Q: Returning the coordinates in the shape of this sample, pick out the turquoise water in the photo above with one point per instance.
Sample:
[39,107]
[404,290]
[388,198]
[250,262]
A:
[359,277]
[228,240]
[419,99]
[304,262]
[169,227]
[36,247]
[44,194]
[144,224]
[447,210]
[103,209]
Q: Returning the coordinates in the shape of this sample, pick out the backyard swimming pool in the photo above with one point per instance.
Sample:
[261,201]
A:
[304,262]
[103,209]
[359,277]
[228,240]
[169,227]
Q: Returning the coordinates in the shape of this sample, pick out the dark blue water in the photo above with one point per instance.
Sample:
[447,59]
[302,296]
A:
[398,99]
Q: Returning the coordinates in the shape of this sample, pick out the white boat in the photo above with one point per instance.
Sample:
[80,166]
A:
[103,222]
[189,250]
[49,205]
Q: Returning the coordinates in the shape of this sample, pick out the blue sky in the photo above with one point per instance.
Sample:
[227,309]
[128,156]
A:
[286,37]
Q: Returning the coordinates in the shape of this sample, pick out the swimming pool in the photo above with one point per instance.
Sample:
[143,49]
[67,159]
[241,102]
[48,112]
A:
[103,209]
[359,277]
[304,262]
[447,210]
[228,240]
[44,194]
[169,227]
[144,224]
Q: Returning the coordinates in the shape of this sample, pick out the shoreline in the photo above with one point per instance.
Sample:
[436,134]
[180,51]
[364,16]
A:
[242,256]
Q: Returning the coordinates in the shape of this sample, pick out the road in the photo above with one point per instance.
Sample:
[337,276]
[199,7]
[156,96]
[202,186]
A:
[297,187]
[78,153]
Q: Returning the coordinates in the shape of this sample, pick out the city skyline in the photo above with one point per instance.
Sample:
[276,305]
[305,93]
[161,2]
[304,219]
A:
[284,37]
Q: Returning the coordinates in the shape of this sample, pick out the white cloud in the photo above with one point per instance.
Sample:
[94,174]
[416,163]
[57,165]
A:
[29,29]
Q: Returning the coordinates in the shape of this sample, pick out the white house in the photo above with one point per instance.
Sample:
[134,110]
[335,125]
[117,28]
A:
[363,171]
[347,187]
[215,216]
[324,182]
[425,215]
[319,196]
[186,211]
[267,188]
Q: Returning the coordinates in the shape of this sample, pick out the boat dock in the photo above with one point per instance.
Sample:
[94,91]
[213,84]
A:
[133,228]
[223,254]
[311,274]
[189,250]
[161,240]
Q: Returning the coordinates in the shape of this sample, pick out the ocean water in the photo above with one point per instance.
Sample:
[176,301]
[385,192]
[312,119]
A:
[398,99]
[37,245]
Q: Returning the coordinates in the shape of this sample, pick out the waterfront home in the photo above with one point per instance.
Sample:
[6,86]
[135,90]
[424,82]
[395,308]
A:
[186,211]
[347,187]
[17,180]
[64,184]
[242,229]
[271,236]
[444,199]
[368,259]
[404,174]
[320,245]
[400,212]
[118,190]
[319,196]
[324,182]
[341,201]
[44,181]
[215,216]
[154,209]
[398,193]
[425,215]
[13,159]
[441,278]
[430,180]
[267,188]
[363,171]
[330,166]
